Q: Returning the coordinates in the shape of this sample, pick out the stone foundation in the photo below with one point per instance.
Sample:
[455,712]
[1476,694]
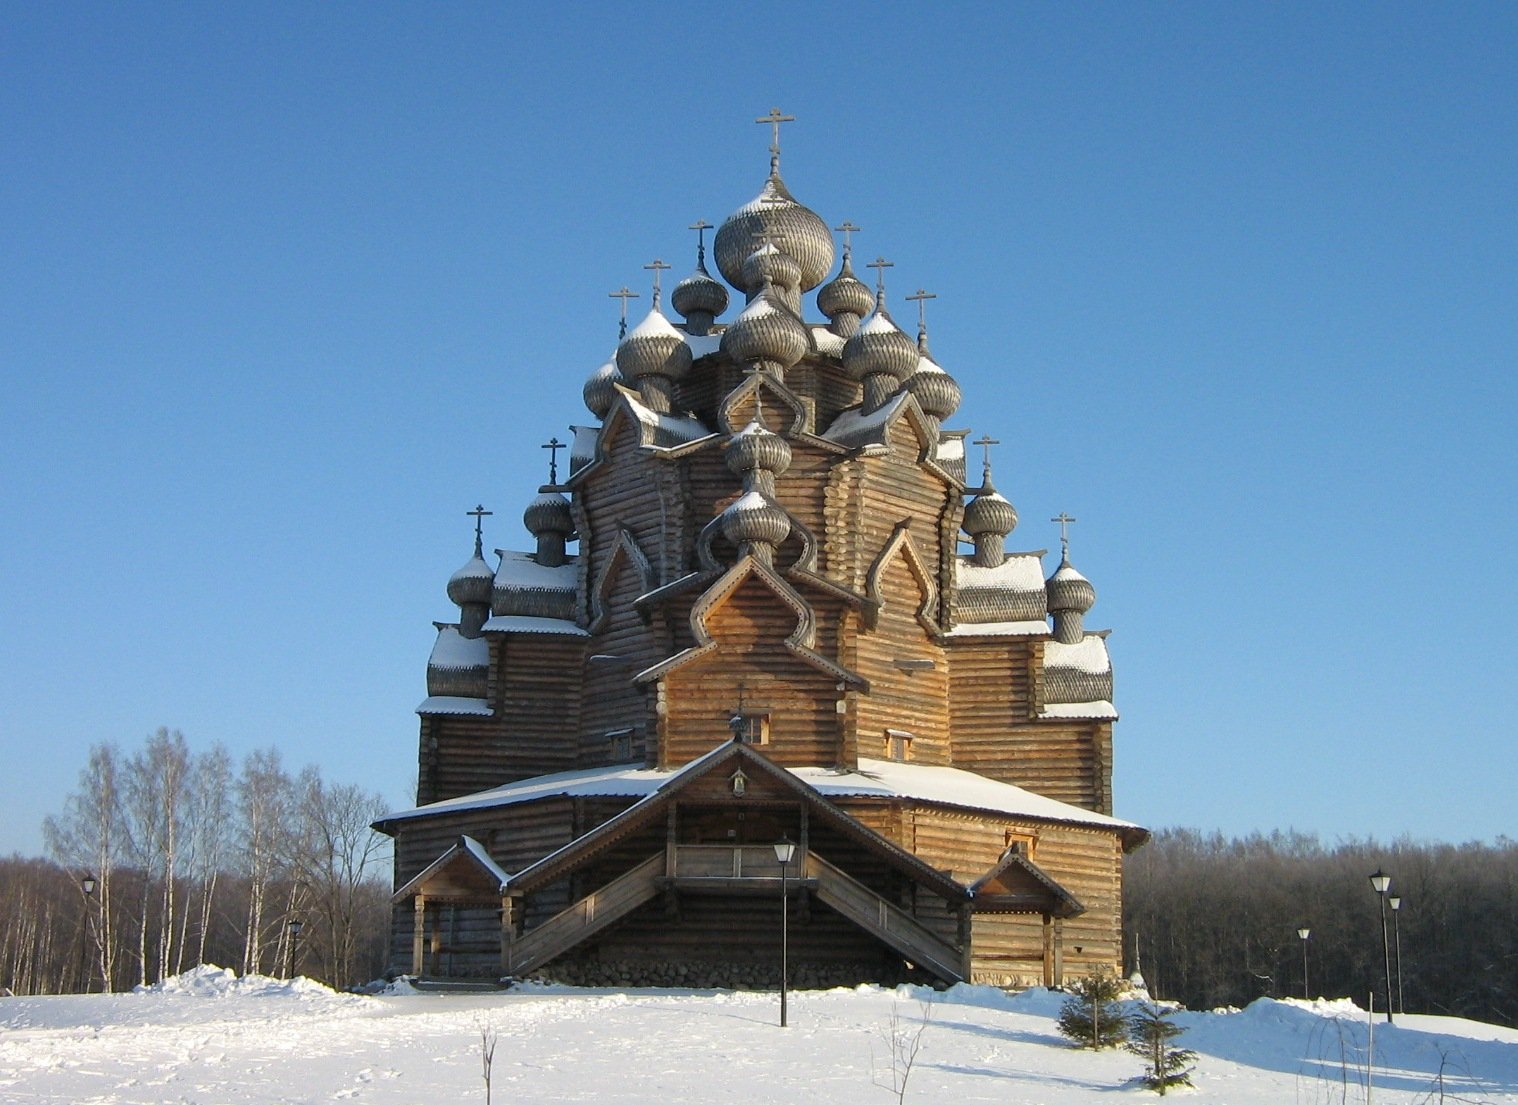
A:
[723,976]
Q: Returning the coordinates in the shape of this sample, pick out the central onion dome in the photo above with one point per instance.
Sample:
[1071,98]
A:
[767,333]
[774,212]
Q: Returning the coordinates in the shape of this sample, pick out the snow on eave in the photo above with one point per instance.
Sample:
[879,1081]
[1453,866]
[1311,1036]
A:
[702,345]
[1017,572]
[1028,628]
[1088,655]
[522,623]
[1096,711]
[477,850]
[521,571]
[852,427]
[453,650]
[452,704]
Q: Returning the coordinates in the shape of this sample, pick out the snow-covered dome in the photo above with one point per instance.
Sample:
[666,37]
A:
[548,513]
[699,294]
[600,387]
[767,331]
[936,391]
[769,264]
[845,294]
[654,348]
[1068,590]
[472,582]
[756,448]
[879,348]
[989,513]
[800,232]
[753,518]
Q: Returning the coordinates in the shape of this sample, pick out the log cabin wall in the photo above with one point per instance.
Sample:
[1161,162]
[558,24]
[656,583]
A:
[904,697]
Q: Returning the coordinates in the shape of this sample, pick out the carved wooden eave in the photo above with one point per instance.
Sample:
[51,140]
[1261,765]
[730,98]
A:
[756,385]
[1015,884]
[798,643]
[626,553]
[682,585]
[900,543]
[760,771]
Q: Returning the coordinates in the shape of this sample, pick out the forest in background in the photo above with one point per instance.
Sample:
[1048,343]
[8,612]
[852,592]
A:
[197,860]
[1212,921]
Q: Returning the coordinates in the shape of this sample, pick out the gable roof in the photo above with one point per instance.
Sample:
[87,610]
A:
[1015,884]
[466,852]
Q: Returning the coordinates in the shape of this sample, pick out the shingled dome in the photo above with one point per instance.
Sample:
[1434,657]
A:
[767,332]
[600,388]
[698,293]
[472,582]
[654,348]
[775,212]
[879,347]
[1068,590]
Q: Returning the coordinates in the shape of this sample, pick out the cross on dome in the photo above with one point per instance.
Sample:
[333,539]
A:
[985,441]
[880,264]
[846,229]
[624,293]
[774,119]
[553,446]
[479,514]
[700,226]
[1064,521]
[658,266]
[921,297]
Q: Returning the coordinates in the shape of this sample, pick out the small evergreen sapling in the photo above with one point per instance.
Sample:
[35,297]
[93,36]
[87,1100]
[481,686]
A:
[1150,1031]
[1090,1017]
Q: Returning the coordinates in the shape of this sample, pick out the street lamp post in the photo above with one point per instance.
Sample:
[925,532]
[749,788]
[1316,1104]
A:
[87,884]
[784,851]
[1396,908]
[293,927]
[1304,933]
[1380,882]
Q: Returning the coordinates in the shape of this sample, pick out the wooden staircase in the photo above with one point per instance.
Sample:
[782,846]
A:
[585,918]
[887,923]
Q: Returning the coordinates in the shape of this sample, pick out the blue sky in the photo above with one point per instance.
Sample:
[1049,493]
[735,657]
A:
[289,288]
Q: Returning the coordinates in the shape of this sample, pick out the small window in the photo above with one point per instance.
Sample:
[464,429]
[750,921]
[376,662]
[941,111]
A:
[621,743]
[898,744]
[1027,841]
[751,727]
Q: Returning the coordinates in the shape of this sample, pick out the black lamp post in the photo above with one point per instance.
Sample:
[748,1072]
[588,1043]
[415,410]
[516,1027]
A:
[1380,882]
[293,927]
[1396,908]
[784,852]
[1304,933]
[87,884]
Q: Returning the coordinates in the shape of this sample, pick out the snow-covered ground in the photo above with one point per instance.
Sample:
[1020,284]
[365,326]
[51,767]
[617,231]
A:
[209,1038]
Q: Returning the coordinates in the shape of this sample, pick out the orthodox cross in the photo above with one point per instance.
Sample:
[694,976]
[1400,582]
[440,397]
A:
[658,266]
[880,264]
[553,447]
[479,514]
[846,229]
[921,299]
[985,441]
[624,293]
[700,226]
[774,119]
[1064,521]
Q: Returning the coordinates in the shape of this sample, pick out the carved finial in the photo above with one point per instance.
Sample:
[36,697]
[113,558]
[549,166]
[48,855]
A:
[846,229]
[880,264]
[700,226]
[775,118]
[985,441]
[624,293]
[921,297]
[658,267]
[1064,521]
[479,514]
[553,446]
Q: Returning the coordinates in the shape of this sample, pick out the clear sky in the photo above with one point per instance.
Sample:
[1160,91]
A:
[289,288]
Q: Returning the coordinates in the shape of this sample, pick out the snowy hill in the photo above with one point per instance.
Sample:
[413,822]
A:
[208,1037]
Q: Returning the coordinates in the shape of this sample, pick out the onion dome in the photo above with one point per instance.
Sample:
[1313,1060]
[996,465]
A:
[767,263]
[936,391]
[548,513]
[879,347]
[775,212]
[845,294]
[768,332]
[600,388]
[654,348]
[989,513]
[752,519]
[473,582]
[1068,591]
[698,294]
[755,448]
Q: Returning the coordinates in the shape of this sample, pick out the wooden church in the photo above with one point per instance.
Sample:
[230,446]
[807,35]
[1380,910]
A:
[765,631]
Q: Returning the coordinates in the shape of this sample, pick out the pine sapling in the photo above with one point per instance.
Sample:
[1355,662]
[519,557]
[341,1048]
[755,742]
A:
[1150,1031]
[1091,1017]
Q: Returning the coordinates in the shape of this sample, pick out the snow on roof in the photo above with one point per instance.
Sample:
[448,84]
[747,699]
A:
[583,447]
[475,569]
[1018,572]
[674,427]
[449,704]
[477,850]
[654,323]
[454,650]
[749,500]
[853,427]
[951,449]
[828,343]
[879,322]
[1101,709]
[1090,655]
[1065,571]
[521,571]
[875,779]
[702,345]
[521,623]
[999,629]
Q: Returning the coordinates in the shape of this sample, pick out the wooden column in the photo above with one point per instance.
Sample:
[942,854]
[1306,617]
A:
[966,941]
[419,935]
[1059,951]
[1048,950]
[508,932]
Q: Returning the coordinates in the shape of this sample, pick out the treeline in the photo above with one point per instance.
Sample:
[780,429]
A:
[1213,921]
[162,859]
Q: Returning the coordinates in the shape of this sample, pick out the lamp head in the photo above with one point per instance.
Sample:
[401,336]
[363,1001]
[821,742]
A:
[1380,881]
[784,850]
